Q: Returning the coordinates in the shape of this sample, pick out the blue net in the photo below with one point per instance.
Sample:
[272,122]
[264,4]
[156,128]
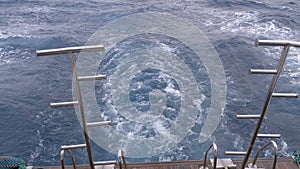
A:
[8,162]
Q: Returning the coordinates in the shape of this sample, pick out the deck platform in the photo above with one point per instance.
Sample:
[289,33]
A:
[282,163]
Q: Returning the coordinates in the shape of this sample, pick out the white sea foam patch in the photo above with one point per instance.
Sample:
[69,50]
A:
[11,34]
[292,63]
[291,70]
[38,149]
[284,147]
[251,24]
[10,55]
[164,131]
[4,34]
[254,24]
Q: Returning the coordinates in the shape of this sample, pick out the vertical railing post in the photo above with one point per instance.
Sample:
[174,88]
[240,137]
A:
[81,110]
[215,149]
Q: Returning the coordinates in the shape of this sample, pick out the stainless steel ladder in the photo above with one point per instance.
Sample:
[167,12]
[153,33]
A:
[260,117]
[78,102]
[121,159]
[215,150]
[273,143]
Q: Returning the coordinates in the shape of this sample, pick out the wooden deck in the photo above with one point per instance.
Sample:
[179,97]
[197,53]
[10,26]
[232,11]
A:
[282,163]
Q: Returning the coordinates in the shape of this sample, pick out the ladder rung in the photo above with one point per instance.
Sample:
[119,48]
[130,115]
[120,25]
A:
[104,162]
[97,77]
[64,104]
[235,153]
[293,95]
[102,123]
[248,116]
[73,146]
[268,135]
[276,43]
[263,71]
[69,49]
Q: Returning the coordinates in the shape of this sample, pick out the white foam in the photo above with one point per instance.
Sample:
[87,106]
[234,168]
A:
[11,55]
[167,48]
[292,64]
[170,89]
[165,158]
[38,149]
[284,147]
[198,102]
[250,24]
[4,34]
[160,128]
[253,24]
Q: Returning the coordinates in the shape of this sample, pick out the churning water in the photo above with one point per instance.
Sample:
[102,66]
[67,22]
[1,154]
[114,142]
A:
[160,89]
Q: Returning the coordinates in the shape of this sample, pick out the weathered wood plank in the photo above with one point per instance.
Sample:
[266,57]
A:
[282,163]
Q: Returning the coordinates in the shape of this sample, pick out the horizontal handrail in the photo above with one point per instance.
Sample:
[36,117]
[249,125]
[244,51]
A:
[248,116]
[291,95]
[73,146]
[263,71]
[269,135]
[61,104]
[69,49]
[262,148]
[102,123]
[113,162]
[276,43]
[236,153]
[97,77]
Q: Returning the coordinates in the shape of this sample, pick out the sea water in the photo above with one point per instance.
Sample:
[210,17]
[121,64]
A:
[153,89]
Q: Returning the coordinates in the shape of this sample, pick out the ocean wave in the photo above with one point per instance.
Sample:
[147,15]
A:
[259,25]
[68,24]
[251,24]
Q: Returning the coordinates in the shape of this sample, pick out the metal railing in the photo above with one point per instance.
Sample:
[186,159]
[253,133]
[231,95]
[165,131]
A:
[79,102]
[68,149]
[121,160]
[215,149]
[253,164]
[276,43]
[276,73]
[268,99]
